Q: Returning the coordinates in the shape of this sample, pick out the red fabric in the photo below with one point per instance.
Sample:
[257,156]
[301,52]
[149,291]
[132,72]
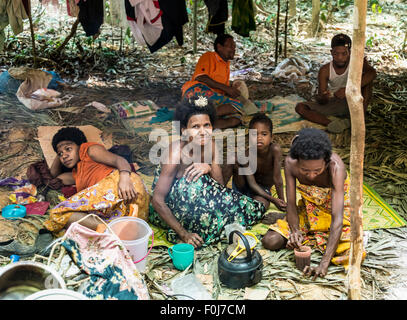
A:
[38,174]
[37,208]
[68,191]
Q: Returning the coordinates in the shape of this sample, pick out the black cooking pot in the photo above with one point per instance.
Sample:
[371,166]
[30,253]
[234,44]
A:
[243,271]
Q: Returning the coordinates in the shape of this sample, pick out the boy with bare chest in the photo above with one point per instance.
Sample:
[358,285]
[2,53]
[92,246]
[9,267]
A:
[268,172]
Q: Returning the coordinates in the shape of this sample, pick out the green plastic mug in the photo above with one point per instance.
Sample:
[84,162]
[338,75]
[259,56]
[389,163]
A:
[182,255]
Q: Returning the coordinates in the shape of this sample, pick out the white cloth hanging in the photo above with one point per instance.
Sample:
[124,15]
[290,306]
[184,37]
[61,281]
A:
[148,20]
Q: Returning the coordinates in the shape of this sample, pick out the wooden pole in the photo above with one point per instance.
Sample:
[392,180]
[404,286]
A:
[286,29]
[195,26]
[355,102]
[121,40]
[32,34]
[277,28]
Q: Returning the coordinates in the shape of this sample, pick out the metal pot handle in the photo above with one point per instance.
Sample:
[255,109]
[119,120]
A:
[245,242]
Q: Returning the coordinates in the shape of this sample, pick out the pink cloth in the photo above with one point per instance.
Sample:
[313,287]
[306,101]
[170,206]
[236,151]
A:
[37,208]
[107,261]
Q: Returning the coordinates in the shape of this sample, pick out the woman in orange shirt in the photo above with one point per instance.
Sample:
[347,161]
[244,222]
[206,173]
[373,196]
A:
[211,80]
[105,183]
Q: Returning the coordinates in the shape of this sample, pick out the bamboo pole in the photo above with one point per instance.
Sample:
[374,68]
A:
[32,34]
[355,102]
[277,28]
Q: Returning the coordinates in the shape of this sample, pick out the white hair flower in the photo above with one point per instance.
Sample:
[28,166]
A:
[201,102]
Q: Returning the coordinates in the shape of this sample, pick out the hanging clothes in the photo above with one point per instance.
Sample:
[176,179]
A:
[218,15]
[91,14]
[144,15]
[12,12]
[72,8]
[243,17]
[118,16]
[131,20]
[174,16]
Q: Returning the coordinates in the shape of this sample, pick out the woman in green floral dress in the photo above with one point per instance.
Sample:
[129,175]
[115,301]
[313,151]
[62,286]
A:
[189,196]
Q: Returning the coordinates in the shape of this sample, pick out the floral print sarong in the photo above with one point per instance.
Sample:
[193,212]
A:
[217,99]
[103,200]
[314,211]
[205,207]
[113,275]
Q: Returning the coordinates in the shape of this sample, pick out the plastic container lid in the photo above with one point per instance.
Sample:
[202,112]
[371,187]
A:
[56,294]
[13,211]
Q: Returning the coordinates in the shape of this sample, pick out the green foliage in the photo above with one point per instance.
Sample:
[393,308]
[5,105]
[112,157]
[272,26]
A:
[127,36]
[371,41]
[375,6]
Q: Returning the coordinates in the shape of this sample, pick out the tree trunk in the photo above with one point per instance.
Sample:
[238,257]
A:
[195,26]
[404,43]
[277,31]
[32,34]
[286,30]
[292,8]
[355,102]
[316,8]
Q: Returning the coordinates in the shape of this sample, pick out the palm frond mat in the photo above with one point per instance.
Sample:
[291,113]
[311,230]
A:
[377,213]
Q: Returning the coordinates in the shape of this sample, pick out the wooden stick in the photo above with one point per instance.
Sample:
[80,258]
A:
[277,27]
[285,29]
[121,40]
[71,34]
[355,102]
[32,34]
[195,26]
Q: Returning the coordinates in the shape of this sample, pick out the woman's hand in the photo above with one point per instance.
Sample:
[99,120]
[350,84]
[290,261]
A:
[232,92]
[196,170]
[295,240]
[192,238]
[126,189]
[280,204]
[319,271]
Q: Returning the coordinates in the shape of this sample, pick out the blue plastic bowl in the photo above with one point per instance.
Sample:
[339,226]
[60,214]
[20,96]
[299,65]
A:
[13,211]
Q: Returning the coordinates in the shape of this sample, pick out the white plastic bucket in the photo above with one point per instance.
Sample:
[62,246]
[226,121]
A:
[136,242]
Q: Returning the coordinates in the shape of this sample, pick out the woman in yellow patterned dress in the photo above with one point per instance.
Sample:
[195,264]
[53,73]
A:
[322,216]
[105,183]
